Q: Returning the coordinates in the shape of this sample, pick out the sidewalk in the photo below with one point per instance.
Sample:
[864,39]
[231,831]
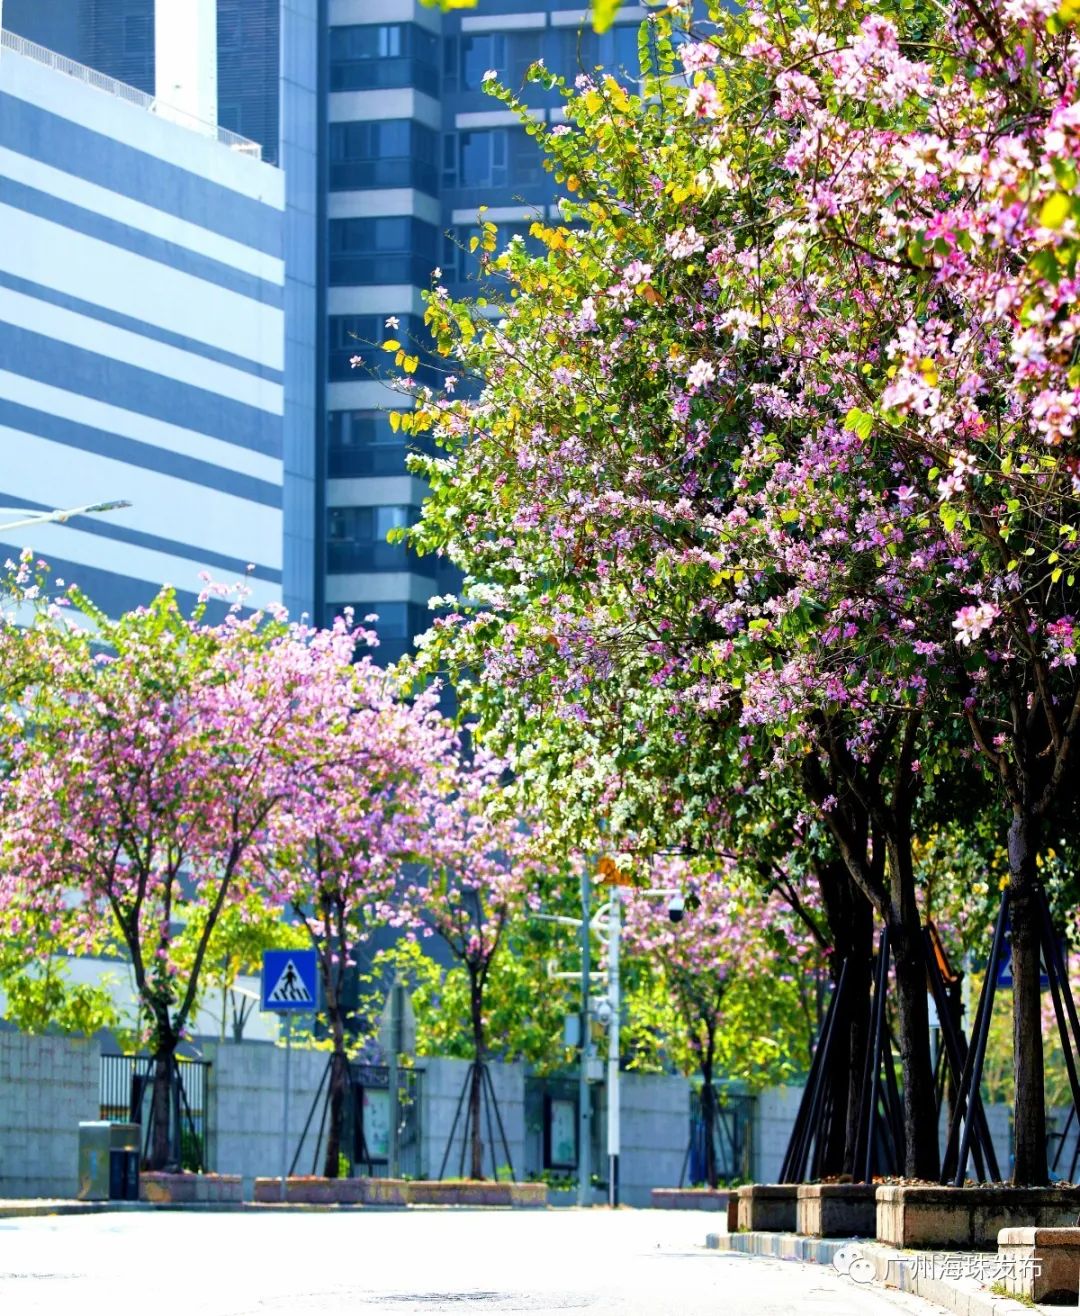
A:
[959,1282]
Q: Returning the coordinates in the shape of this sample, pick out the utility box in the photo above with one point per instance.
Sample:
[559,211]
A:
[108,1161]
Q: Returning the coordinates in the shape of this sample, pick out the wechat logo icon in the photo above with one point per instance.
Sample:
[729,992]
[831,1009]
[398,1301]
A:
[851,1262]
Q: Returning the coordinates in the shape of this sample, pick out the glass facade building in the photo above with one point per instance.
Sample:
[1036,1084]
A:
[415,148]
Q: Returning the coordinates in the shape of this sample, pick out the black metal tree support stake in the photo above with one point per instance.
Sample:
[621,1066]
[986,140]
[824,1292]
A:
[793,1168]
[307,1123]
[1064,1010]
[490,1103]
[954,1053]
[958,1145]
[870,1098]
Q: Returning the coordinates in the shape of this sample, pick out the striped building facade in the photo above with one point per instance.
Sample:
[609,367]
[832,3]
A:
[142,337]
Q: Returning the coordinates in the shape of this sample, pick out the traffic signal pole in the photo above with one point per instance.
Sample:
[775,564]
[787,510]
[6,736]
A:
[614,930]
[584,1100]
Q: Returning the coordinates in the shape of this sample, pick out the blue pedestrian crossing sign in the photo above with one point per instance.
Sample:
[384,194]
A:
[290,981]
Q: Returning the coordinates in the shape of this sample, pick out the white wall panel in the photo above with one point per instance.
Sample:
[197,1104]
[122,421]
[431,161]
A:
[138,128]
[143,429]
[123,345]
[43,471]
[138,215]
[146,564]
[95,271]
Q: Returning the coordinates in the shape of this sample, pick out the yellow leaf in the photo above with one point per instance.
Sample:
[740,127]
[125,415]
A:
[391,345]
[395,421]
[604,12]
[1055,210]
[410,363]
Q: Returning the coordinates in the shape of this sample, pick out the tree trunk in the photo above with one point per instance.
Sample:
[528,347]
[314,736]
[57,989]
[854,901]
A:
[708,1119]
[922,1159]
[851,925]
[1029,1113]
[339,1086]
[476,1147]
[163,1154]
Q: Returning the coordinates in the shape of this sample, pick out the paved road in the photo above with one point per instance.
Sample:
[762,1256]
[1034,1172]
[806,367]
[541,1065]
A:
[643,1263]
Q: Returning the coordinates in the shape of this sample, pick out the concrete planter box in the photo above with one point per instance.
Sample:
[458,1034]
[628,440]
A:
[462,1192]
[186,1189]
[768,1206]
[1042,1265]
[928,1216]
[690,1199]
[313,1190]
[836,1210]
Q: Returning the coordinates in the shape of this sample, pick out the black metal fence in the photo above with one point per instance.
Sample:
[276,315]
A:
[733,1124]
[126,1093]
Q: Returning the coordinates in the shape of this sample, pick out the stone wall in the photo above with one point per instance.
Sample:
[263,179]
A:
[47,1085]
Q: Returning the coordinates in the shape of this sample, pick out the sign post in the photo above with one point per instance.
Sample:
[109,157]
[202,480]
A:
[397,1036]
[290,985]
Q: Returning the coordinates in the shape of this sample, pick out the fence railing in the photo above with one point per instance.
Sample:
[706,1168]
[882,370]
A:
[73,69]
[126,1094]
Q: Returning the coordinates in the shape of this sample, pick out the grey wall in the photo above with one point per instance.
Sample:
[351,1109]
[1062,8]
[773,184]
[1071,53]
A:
[654,1132]
[47,1085]
[774,1116]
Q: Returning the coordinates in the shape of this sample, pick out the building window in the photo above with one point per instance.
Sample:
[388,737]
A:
[363,443]
[497,157]
[356,539]
[508,53]
[384,249]
[376,55]
[383,153]
[228,27]
[363,335]
[229,118]
[459,264]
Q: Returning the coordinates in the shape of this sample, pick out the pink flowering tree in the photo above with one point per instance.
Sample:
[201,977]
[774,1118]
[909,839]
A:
[724,968]
[336,849]
[478,871]
[157,748]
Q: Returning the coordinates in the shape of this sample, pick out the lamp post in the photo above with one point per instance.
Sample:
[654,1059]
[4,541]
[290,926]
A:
[607,919]
[26,517]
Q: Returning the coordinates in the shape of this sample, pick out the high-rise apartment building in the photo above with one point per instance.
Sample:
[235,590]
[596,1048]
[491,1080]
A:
[415,147]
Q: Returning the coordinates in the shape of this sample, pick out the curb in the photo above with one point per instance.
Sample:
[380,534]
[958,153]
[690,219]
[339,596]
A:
[33,1209]
[893,1268]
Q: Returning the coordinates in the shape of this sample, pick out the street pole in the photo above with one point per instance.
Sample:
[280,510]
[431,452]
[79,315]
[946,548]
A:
[614,935]
[396,1028]
[285,1109]
[584,1122]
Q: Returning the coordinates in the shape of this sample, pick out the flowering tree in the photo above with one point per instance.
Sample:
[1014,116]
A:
[157,747]
[722,967]
[336,849]
[478,871]
[782,430]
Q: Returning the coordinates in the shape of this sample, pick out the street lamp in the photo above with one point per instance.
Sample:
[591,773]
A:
[26,517]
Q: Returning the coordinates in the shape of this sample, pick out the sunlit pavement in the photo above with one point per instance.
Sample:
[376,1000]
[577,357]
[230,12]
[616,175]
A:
[635,1262]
